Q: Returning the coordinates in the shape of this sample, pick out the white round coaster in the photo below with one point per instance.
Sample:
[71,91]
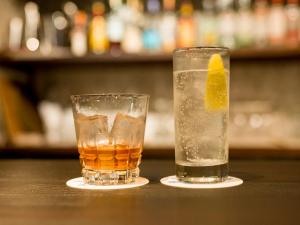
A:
[174,182]
[79,184]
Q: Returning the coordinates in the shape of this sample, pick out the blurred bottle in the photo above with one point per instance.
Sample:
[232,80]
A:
[245,26]
[277,23]
[98,40]
[48,35]
[293,22]
[186,32]
[226,23]
[32,22]
[15,34]
[167,26]
[115,27]
[133,18]
[151,36]
[51,114]
[78,34]
[207,26]
[61,25]
[70,9]
[260,30]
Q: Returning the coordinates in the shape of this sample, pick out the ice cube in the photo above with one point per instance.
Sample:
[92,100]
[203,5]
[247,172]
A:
[127,130]
[92,130]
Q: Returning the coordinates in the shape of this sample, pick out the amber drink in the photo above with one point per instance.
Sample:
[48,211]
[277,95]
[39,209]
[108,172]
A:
[110,135]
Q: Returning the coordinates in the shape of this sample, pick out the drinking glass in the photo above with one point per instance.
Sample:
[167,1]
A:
[110,136]
[201,103]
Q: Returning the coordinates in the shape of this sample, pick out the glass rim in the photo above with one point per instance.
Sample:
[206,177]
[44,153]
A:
[112,94]
[185,49]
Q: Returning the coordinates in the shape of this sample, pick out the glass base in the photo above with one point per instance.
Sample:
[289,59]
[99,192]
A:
[202,174]
[109,177]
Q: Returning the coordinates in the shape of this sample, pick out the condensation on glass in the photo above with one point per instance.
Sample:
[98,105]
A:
[110,136]
[201,103]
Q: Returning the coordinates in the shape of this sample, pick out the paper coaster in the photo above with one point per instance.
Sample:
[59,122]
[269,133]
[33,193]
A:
[174,182]
[79,184]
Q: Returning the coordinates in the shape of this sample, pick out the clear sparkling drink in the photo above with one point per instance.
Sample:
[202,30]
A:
[201,86]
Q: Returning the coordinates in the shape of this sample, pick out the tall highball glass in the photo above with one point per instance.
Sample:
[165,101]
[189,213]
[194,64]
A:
[201,104]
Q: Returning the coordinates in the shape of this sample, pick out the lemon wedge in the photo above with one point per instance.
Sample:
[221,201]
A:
[216,97]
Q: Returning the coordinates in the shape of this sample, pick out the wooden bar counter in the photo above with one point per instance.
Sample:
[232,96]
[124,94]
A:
[33,191]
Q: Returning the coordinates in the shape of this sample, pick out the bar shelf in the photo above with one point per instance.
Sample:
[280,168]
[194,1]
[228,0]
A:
[65,57]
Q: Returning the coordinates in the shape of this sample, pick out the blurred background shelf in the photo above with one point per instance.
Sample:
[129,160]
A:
[63,56]
[266,53]
[39,70]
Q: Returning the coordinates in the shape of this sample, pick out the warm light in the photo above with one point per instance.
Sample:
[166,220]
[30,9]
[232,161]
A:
[70,9]
[59,20]
[256,121]
[240,120]
[32,44]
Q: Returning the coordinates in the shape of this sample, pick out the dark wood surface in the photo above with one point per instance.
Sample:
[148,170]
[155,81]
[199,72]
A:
[33,191]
